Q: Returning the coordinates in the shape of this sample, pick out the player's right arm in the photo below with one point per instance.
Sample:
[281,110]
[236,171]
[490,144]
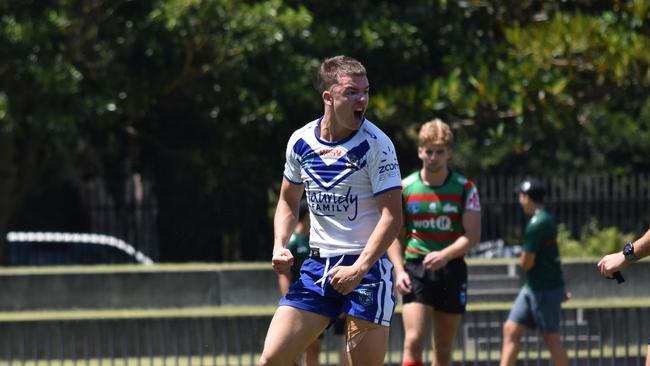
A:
[345,279]
[284,222]
[284,282]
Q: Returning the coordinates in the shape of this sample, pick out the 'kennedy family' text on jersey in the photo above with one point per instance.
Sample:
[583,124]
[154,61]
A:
[341,179]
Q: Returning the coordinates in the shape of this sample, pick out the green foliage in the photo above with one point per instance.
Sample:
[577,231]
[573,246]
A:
[200,96]
[4,122]
[593,242]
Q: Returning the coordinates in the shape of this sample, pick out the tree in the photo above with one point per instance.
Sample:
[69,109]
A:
[199,97]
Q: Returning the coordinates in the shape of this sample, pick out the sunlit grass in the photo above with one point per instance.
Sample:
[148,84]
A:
[331,358]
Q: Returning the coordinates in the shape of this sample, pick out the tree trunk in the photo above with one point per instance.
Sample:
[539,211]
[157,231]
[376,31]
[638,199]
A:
[7,187]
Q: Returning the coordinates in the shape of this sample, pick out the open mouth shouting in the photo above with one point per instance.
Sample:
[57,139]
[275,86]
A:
[358,115]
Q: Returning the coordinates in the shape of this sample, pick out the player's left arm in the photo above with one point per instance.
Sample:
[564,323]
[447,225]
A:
[284,222]
[471,220]
[472,235]
[284,282]
[346,278]
[472,226]
[527,260]
[532,243]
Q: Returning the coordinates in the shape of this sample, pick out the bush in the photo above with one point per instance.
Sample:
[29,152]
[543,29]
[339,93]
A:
[593,242]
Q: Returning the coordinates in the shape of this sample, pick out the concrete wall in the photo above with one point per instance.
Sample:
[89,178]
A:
[137,287]
[584,281]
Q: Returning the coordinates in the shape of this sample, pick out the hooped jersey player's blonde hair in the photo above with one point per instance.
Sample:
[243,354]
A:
[435,132]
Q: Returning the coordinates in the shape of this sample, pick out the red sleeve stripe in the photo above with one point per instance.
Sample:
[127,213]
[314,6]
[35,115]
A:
[416,251]
[429,197]
[436,237]
[468,185]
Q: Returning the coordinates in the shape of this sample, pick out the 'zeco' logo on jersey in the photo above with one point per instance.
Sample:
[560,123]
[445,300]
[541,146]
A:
[389,167]
[328,174]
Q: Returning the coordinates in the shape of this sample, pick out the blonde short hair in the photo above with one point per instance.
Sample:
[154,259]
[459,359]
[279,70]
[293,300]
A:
[435,132]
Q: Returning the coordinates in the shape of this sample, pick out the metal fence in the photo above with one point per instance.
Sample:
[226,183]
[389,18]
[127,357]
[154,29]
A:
[131,218]
[576,201]
[595,336]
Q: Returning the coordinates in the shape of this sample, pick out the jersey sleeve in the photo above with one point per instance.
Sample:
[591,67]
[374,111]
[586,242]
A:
[532,237]
[292,162]
[472,200]
[383,167]
[292,245]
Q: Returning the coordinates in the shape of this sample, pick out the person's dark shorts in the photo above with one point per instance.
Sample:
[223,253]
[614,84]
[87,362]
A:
[445,289]
[339,325]
[538,309]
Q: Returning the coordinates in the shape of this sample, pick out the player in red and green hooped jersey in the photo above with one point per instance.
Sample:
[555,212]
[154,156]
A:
[442,222]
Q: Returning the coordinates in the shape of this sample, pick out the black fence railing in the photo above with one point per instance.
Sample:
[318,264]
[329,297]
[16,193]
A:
[595,336]
[576,201]
[131,218]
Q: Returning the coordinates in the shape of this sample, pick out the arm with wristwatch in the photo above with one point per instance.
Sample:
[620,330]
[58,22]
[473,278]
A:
[611,264]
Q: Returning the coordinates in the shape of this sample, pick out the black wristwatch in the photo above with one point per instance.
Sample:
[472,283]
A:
[628,252]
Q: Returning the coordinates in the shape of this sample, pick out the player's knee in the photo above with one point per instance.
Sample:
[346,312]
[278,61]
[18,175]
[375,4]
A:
[266,360]
[507,327]
[413,338]
[552,340]
[511,331]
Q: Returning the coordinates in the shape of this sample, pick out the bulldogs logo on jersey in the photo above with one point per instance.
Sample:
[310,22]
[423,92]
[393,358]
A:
[364,296]
[353,161]
[329,173]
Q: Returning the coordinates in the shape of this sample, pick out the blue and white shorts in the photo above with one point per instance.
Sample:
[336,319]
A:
[538,308]
[373,300]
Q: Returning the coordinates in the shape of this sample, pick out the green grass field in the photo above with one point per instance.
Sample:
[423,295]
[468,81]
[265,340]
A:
[326,358]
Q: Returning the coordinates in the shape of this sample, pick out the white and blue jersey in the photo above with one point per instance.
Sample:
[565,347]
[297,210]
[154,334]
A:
[341,179]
